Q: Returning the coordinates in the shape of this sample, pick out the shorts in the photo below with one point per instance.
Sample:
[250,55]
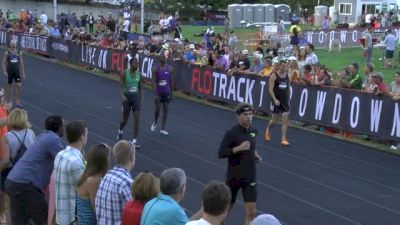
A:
[14,76]
[249,190]
[132,103]
[389,54]
[164,98]
[282,108]
[124,35]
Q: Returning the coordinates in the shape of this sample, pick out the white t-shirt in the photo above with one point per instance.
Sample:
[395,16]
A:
[126,26]
[198,222]
[43,18]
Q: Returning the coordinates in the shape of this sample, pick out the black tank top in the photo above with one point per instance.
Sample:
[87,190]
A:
[281,88]
[13,61]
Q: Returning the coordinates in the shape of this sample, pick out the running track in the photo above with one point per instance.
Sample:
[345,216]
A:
[318,180]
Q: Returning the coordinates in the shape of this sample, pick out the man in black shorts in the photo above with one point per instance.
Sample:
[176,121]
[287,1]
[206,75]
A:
[13,69]
[130,85]
[162,78]
[279,90]
[239,146]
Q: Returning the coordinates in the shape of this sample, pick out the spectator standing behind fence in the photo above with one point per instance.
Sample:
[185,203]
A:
[390,41]
[216,200]
[395,87]
[354,81]
[378,87]
[368,45]
[232,41]
[98,161]
[165,209]
[30,176]
[368,69]
[68,168]
[115,188]
[91,23]
[311,58]
[145,188]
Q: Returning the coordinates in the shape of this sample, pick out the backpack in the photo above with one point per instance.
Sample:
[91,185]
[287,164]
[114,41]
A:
[21,150]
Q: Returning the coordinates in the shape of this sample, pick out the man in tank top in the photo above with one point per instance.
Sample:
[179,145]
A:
[13,69]
[163,93]
[279,90]
[132,98]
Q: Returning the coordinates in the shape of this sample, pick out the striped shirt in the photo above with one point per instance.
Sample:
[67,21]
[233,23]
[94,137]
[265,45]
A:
[113,193]
[68,168]
[85,213]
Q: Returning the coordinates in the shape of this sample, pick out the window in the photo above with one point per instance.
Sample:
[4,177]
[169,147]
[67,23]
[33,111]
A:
[345,8]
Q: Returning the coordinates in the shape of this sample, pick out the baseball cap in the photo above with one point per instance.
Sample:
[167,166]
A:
[245,52]
[292,58]
[191,46]
[377,74]
[266,219]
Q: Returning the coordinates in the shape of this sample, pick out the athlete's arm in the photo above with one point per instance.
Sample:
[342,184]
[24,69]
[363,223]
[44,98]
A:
[21,66]
[154,73]
[5,56]
[141,91]
[171,79]
[121,86]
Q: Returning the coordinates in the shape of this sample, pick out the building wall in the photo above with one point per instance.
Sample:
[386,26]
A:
[353,18]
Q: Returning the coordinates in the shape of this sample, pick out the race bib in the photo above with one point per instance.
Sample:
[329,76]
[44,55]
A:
[132,90]
[14,60]
[162,83]
[282,85]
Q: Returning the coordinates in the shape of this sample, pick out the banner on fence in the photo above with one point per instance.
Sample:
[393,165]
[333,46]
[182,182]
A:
[327,106]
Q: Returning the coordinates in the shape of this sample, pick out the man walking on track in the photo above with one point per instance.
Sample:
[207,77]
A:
[239,146]
[13,69]
[279,90]
[163,93]
[132,98]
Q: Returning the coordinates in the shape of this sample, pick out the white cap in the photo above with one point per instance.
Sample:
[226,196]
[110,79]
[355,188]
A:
[292,58]
[266,219]
[245,52]
[191,46]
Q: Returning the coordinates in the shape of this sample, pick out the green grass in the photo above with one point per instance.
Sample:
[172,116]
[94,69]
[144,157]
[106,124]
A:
[338,60]
[332,60]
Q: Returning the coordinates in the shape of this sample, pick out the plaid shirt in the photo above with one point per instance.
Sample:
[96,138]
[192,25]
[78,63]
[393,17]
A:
[114,191]
[68,168]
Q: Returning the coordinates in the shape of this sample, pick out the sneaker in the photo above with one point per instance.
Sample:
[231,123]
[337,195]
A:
[135,143]
[153,127]
[164,132]
[119,135]
[393,147]
[267,136]
[285,142]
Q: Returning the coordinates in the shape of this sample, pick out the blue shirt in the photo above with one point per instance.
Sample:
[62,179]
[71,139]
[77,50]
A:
[390,42]
[36,165]
[163,210]
[189,56]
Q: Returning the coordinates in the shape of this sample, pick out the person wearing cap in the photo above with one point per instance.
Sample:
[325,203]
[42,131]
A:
[390,41]
[130,85]
[189,54]
[266,219]
[162,78]
[244,62]
[13,69]
[279,90]
[377,85]
[239,146]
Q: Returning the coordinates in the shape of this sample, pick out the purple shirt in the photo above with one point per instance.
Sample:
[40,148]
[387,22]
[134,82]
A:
[163,80]
[221,61]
